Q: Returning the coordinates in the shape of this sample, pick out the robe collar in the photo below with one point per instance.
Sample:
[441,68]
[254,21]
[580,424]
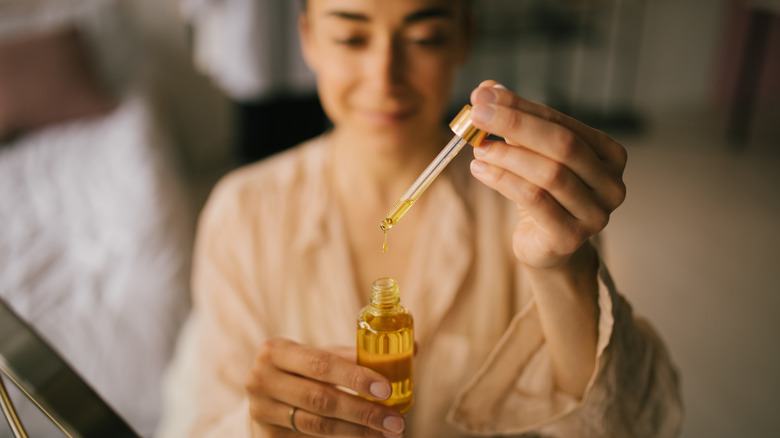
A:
[439,262]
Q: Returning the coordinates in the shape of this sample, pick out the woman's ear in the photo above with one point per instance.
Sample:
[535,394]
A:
[307,41]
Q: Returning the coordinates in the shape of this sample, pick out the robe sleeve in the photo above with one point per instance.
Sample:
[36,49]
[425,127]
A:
[634,389]
[225,329]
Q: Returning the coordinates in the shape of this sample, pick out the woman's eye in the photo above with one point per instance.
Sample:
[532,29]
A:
[436,41]
[351,41]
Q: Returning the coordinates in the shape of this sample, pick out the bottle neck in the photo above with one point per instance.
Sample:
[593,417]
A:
[385,296]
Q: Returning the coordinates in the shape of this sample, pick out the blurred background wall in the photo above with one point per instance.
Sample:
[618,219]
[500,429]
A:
[695,247]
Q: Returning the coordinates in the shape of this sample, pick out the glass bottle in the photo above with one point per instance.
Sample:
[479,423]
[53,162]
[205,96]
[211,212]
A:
[385,341]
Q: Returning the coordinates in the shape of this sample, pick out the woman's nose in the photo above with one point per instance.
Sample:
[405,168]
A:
[387,65]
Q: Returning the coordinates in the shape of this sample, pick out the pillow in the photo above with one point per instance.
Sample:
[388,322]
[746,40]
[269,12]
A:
[47,78]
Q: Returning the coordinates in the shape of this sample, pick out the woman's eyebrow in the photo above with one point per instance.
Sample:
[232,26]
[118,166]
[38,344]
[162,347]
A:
[354,16]
[422,14]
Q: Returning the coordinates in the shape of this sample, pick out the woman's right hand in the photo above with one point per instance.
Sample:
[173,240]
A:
[287,375]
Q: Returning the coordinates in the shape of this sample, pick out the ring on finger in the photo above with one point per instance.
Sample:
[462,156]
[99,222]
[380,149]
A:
[292,419]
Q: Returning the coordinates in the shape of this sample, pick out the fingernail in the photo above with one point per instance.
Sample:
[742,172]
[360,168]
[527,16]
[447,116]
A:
[485,95]
[481,150]
[483,113]
[499,86]
[380,390]
[394,424]
[478,166]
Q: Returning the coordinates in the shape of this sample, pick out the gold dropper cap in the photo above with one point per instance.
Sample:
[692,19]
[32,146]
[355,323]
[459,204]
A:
[462,127]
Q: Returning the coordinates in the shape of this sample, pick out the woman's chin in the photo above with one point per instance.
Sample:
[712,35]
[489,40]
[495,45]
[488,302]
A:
[387,142]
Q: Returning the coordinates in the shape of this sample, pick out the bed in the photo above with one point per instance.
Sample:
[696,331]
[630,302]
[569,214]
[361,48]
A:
[95,226]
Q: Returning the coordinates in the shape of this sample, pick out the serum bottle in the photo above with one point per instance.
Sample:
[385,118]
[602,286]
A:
[385,341]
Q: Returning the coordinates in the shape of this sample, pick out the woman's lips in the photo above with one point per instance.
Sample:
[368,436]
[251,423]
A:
[386,117]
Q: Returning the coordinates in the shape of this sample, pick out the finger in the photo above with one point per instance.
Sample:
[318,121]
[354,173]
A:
[279,432]
[348,353]
[320,397]
[328,367]
[568,190]
[287,432]
[309,424]
[325,400]
[491,83]
[557,223]
[539,134]
[269,412]
[317,425]
[562,145]
[602,144]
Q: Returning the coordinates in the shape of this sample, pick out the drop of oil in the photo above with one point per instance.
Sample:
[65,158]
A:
[385,227]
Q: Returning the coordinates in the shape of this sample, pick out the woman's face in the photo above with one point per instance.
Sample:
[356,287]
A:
[385,67]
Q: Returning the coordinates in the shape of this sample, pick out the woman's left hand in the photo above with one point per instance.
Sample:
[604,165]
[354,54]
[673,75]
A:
[565,177]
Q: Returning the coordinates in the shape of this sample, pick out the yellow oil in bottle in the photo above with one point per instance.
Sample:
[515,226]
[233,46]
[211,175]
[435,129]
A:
[385,342]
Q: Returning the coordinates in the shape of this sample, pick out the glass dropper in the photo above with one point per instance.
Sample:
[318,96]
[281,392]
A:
[465,133]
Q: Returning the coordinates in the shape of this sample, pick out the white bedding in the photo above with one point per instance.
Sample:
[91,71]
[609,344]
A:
[95,239]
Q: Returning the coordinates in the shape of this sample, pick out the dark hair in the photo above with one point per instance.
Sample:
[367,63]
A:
[468,3]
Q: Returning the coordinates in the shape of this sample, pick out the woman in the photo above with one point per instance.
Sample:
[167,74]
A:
[519,328]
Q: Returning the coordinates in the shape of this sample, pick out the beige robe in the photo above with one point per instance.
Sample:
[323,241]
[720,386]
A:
[272,259]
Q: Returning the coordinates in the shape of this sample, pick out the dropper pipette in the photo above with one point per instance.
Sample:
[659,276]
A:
[465,133]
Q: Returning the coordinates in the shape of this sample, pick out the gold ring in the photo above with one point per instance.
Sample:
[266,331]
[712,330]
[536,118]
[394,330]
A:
[292,420]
